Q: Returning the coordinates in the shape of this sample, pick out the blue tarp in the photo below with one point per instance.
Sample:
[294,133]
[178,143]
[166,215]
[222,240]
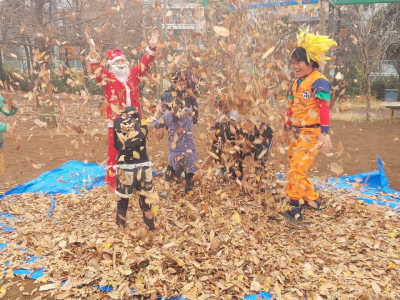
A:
[75,176]
[71,177]
[372,187]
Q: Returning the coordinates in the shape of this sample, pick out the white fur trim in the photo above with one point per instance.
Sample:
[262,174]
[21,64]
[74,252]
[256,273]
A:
[134,166]
[123,195]
[149,51]
[128,95]
[110,123]
[111,61]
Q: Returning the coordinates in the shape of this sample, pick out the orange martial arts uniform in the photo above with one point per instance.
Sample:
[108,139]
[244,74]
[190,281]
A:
[305,121]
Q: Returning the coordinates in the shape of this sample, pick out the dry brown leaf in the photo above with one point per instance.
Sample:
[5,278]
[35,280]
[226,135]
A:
[221,31]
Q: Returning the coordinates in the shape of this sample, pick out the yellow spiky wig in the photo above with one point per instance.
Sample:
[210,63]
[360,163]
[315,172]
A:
[315,45]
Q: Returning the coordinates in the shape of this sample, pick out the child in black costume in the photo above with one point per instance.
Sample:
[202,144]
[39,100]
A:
[134,172]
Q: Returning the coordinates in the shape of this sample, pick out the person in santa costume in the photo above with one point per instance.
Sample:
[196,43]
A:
[120,83]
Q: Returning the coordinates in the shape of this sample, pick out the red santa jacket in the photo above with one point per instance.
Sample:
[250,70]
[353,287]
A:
[116,93]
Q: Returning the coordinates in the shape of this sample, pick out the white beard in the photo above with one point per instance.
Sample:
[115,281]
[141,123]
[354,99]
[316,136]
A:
[121,72]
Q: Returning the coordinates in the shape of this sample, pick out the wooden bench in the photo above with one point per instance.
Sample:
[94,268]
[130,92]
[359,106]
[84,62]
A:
[391,105]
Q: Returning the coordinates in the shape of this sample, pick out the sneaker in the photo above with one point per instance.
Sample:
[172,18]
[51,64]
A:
[189,182]
[294,214]
[170,174]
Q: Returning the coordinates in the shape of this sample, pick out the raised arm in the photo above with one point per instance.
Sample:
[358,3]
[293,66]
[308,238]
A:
[148,57]
[159,120]
[94,61]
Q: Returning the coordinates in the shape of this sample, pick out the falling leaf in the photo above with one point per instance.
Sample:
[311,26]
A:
[155,210]
[392,266]
[376,288]
[255,286]
[3,291]
[268,52]
[38,166]
[39,123]
[336,168]
[48,287]
[222,31]
[236,219]
[339,76]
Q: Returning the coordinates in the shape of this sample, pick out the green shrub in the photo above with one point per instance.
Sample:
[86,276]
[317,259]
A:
[18,80]
[353,78]
[74,82]
[93,88]
[379,85]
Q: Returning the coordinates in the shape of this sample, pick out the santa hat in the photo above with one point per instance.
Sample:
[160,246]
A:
[114,55]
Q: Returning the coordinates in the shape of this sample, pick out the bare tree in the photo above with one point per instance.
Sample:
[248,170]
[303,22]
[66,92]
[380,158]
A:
[370,34]
[392,36]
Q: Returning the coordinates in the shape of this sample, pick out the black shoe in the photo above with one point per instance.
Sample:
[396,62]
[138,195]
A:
[189,182]
[122,208]
[293,215]
[145,209]
[149,222]
[170,174]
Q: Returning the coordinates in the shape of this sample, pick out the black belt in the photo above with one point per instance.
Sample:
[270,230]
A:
[307,126]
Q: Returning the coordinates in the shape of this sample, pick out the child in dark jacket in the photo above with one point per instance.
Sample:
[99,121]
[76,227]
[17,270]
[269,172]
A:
[184,90]
[234,140]
[134,172]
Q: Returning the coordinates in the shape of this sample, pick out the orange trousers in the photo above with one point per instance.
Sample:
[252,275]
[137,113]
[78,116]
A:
[303,150]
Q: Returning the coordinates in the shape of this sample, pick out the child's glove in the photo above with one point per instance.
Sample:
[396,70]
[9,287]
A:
[3,127]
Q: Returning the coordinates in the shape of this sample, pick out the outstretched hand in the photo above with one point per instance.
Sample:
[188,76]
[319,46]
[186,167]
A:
[92,46]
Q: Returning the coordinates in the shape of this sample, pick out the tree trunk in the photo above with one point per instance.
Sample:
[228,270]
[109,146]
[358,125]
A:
[40,40]
[67,58]
[2,72]
[28,59]
[396,64]
[368,83]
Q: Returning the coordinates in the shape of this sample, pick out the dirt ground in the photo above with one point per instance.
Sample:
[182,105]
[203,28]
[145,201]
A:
[32,151]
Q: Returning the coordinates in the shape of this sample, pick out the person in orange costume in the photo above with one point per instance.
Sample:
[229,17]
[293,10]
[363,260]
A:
[308,121]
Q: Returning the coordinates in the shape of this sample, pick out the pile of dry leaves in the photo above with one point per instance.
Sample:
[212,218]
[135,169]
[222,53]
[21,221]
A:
[214,244]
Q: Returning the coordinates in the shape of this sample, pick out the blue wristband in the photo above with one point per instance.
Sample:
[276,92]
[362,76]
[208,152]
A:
[324,129]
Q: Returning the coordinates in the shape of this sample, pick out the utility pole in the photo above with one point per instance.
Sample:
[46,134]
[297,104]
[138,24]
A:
[322,17]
